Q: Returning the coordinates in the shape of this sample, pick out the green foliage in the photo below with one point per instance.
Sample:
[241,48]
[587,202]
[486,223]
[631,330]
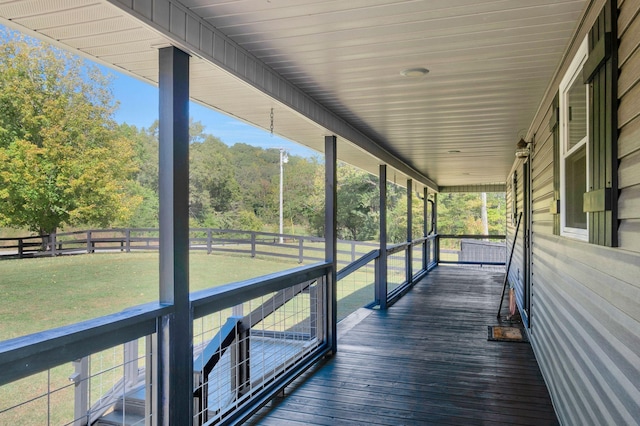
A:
[462,213]
[62,160]
[358,203]
[212,184]
[257,171]
[397,218]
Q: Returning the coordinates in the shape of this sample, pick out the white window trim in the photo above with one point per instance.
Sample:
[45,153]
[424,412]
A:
[574,72]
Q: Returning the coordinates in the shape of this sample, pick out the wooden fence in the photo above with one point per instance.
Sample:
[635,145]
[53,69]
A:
[304,249]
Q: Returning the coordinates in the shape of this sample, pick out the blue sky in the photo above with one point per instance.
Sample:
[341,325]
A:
[139,106]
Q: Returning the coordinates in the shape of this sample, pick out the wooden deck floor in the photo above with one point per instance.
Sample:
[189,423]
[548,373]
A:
[425,361]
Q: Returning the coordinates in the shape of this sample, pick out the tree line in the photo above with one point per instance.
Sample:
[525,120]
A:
[65,162]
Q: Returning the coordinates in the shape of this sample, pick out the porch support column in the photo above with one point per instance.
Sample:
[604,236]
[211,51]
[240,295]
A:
[381,270]
[425,228]
[434,214]
[330,235]
[409,257]
[173,360]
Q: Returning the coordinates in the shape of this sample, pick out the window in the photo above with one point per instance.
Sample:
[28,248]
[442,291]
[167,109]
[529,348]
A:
[574,140]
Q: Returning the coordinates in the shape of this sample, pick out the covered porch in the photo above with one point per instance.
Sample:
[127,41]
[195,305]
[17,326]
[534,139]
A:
[425,360]
[352,82]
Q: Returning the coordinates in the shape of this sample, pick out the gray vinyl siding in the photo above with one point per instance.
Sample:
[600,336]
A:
[629,123]
[585,313]
[516,271]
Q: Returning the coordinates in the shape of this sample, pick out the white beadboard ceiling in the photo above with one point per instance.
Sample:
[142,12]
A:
[333,67]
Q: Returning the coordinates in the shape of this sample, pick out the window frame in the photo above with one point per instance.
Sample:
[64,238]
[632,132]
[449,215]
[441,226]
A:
[574,73]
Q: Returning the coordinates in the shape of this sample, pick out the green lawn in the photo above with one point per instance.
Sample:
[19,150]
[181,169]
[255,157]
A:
[43,293]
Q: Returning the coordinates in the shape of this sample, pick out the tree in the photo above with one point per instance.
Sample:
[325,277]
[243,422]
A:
[62,160]
[358,203]
[212,182]
[462,213]
[145,180]
[257,172]
[397,219]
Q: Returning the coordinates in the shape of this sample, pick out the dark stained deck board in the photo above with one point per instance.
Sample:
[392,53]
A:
[426,360]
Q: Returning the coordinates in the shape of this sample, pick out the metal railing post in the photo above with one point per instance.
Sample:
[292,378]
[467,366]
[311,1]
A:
[80,379]
[313,310]
[240,369]
[131,362]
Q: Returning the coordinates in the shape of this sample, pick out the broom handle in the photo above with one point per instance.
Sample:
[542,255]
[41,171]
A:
[506,275]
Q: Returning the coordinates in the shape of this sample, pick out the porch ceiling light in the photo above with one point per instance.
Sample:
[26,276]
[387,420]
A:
[414,72]
[522,149]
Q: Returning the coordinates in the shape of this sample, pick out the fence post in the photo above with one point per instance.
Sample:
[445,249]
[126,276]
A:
[353,251]
[253,244]
[209,243]
[80,379]
[20,248]
[52,243]
[127,236]
[301,250]
[89,242]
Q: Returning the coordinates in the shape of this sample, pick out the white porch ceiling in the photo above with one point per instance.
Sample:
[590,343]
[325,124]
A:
[333,66]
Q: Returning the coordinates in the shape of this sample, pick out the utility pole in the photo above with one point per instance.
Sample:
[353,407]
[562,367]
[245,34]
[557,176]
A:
[284,158]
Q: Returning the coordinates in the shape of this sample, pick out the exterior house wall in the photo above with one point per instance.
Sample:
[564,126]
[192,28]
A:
[515,206]
[585,298]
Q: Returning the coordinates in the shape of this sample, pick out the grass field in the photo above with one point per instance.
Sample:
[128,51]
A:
[43,293]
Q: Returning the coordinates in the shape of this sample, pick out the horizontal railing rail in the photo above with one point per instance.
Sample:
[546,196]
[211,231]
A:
[470,249]
[214,299]
[354,266]
[50,348]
